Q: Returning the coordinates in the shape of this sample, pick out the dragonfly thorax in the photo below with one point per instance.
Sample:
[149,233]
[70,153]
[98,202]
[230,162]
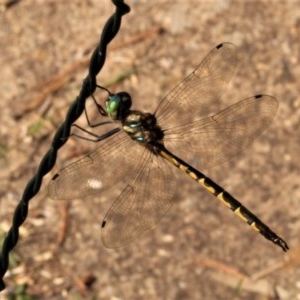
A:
[143,128]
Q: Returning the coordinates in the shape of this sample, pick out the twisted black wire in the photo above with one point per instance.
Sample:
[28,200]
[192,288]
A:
[109,31]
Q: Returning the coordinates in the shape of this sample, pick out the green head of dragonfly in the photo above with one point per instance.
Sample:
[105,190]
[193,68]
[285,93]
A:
[117,105]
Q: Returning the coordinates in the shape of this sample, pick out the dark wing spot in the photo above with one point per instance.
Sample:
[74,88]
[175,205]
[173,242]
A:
[55,176]
[219,46]
[103,224]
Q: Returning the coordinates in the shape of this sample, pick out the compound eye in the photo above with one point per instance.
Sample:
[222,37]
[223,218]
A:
[113,105]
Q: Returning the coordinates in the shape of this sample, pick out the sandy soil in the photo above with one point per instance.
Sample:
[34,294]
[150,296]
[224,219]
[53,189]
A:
[200,250]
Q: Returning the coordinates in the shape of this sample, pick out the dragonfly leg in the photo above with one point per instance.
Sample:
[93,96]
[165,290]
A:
[96,138]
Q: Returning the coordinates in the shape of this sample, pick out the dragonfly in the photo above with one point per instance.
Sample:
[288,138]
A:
[143,150]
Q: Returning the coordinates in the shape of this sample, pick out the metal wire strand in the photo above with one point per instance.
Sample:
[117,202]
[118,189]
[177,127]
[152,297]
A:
[109,31]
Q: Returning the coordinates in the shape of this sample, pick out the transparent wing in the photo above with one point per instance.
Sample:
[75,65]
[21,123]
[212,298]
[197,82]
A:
[210,141]
[143,202]
[97,171]
[199,90]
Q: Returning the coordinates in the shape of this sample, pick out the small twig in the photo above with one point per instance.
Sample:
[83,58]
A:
[217,265]
[53,84]
[290,260]
[64,212]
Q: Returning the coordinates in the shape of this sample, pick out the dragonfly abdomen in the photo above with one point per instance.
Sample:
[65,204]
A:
[241,211]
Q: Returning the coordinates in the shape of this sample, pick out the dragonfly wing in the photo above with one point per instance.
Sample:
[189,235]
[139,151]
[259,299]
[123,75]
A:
[143,202]
[97,171]
[216,139]
[196,93]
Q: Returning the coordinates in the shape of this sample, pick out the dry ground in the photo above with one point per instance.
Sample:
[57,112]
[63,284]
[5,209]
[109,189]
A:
[199,250]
